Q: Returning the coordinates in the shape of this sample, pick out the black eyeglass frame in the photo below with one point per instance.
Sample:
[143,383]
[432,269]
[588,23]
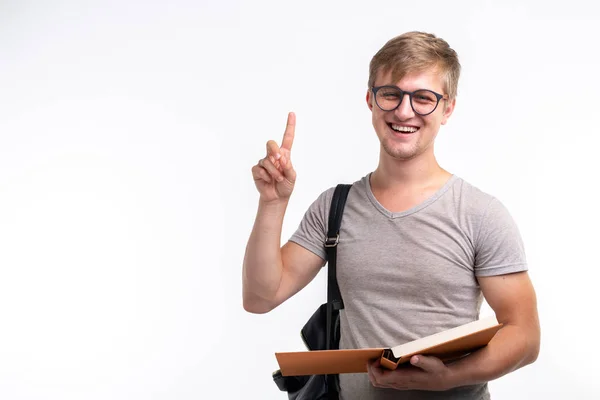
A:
[438,96]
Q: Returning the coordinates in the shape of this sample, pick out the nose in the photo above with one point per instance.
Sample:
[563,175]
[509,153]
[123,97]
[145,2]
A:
[404,110]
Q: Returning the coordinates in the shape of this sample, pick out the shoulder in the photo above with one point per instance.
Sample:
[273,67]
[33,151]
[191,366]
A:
[479,202]
[469,198]
[357,190]
[476,210]
[488,218]
[321,206]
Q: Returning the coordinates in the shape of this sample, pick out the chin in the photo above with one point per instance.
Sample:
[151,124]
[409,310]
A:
[400,154]
[398,151]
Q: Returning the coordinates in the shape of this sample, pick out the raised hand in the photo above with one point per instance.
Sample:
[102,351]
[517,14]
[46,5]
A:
[274,175]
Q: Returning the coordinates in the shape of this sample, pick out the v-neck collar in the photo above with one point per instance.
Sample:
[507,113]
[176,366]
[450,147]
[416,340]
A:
[412,210]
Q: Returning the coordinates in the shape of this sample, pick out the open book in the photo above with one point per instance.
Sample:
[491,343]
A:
[447,345]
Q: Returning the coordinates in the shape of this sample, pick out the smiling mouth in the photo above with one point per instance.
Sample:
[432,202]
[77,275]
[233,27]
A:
[403,129]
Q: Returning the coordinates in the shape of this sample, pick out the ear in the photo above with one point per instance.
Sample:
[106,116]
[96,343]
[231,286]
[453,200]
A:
[448,111]
[369,101]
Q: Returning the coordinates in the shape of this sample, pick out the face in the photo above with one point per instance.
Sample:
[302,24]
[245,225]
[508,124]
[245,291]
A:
[404,134]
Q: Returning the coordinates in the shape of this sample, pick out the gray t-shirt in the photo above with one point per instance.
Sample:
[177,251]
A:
[407,275]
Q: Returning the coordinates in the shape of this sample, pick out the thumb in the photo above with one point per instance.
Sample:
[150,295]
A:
[428,364]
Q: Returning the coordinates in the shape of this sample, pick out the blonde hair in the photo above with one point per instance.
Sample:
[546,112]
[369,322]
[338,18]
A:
[417,52]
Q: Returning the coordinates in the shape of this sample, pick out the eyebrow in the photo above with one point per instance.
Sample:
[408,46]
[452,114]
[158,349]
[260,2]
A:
[420,88]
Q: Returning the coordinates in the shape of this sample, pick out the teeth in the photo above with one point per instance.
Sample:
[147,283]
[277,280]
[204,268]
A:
[406,129]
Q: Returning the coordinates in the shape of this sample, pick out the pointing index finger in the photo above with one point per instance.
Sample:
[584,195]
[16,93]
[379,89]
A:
[290,131]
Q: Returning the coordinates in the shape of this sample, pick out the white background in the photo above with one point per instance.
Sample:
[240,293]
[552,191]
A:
[127,134]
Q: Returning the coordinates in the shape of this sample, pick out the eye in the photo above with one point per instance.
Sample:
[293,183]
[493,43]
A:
[424,97]
[388,93]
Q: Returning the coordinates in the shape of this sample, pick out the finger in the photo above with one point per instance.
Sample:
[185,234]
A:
[428,364]
[271,169]
[371,374]
[377,379]
[288,169]
[273,151]
[259,173]
[376,375]
[290,131]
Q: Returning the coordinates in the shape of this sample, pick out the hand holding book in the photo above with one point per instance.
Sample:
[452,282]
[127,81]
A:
[426,373]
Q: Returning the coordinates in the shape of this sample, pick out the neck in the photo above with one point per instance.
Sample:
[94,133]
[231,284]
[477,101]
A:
[414,173]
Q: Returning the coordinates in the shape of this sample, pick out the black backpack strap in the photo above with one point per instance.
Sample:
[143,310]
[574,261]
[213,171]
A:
[334,297]
[333,237]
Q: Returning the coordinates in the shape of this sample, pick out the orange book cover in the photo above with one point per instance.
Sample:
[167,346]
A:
[447,345]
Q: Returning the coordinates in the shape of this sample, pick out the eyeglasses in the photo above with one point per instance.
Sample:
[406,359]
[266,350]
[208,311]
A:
[422,101]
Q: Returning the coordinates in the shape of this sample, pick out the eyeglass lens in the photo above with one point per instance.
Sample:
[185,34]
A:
[423,101]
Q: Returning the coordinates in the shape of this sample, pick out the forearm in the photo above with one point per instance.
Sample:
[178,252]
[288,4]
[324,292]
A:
[513,347]
[263,266]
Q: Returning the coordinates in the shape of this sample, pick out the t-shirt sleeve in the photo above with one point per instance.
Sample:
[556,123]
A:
[499,247]
[312,230]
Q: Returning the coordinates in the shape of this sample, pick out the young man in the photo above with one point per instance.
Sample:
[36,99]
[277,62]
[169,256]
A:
[419,246]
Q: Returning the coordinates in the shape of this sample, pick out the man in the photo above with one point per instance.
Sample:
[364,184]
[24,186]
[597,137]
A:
[418,247]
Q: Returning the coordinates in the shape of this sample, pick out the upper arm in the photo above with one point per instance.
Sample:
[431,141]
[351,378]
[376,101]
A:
[501,268]
[513,299]
[300,266]
[303,256]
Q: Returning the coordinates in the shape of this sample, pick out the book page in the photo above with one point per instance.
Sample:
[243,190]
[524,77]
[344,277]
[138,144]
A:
[420,344]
